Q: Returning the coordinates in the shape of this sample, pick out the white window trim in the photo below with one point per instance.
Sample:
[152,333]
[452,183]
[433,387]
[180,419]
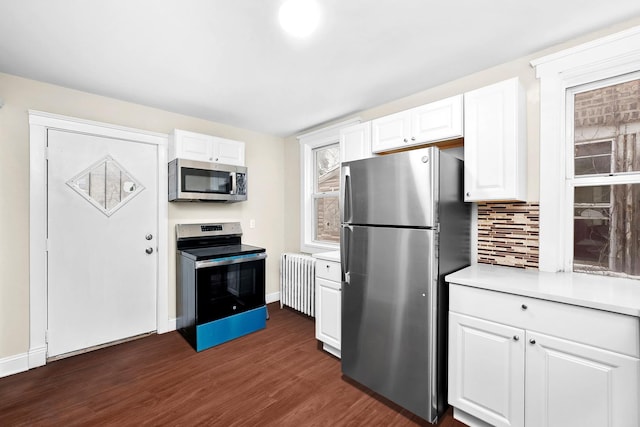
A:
[309,142]
[607,57]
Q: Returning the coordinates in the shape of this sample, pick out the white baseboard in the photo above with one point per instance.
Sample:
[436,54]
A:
[14,364]
[171,326]
[37,357]
[269,298]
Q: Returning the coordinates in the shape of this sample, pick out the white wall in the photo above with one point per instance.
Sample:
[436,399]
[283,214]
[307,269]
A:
[264,158]
[519,67]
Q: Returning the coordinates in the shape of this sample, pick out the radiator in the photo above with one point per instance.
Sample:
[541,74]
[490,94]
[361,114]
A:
[297,282]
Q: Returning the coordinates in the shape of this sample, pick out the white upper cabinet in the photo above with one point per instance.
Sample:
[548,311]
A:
[206,148]
[228,151]
[437,121]
[495,146]
[355,142]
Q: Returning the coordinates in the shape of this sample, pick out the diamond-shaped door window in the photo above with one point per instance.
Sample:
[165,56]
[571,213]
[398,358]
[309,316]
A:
[106,185]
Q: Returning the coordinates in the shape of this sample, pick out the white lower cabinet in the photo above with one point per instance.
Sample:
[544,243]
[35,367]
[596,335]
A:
[328,305]
[520,361]
[486,370]
[570,384]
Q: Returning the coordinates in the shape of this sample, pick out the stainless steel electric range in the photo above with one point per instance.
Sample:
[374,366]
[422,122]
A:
[220,284]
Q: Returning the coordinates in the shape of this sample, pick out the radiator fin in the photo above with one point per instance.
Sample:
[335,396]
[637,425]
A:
[297,282]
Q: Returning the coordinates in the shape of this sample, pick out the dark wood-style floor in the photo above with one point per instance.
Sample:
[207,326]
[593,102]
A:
[274,377]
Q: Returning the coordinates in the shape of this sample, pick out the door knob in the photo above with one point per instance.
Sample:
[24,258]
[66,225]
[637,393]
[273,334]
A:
[149,236]
[149,250]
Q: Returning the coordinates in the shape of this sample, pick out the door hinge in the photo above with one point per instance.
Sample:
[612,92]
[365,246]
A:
[46,245]
[46,153]
[46,337]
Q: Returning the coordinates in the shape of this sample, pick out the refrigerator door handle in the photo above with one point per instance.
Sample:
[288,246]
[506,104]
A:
[345,190]
[344,253]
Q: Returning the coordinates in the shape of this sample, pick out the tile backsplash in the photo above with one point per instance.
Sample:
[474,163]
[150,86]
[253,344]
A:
[508,234]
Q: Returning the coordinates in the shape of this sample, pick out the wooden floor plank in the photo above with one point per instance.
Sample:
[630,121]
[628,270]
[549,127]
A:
[275,377]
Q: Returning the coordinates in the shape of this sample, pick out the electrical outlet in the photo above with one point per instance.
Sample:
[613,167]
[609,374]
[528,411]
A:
[252,223]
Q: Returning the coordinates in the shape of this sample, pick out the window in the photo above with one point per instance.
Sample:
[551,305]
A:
[603,175]
[326,212]
[320,189]
[583,208]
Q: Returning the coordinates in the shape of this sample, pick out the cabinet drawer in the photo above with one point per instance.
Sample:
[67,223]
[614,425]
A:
[603,329]
[328,270]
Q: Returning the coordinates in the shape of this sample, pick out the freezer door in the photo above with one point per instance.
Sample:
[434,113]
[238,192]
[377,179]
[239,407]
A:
[396,189]
[389,315]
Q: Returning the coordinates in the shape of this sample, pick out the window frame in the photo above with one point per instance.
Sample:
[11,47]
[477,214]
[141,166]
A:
[572,181]
[605,58]
[308,143]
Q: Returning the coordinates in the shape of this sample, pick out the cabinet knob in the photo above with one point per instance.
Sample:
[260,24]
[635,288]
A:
[468,194]
[406,140]
[532,341]
[524,306]
[516,338]
[413,138]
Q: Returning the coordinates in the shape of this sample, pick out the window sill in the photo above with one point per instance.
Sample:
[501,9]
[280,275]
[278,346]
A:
[314,248]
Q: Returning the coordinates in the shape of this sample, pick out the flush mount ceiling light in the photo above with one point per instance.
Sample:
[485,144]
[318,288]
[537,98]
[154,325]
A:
[299,18]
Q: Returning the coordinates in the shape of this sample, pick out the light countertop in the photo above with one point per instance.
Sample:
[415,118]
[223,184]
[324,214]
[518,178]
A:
[328,256]
[587,290]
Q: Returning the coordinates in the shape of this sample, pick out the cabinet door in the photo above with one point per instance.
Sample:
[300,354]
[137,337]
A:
[437,121]
[328,312]
[495,143]
[390,132]
[355,142]
[571,384]
[486,370]
[193,146]
[228,152]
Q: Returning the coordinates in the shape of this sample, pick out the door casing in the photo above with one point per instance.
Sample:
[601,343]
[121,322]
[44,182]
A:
[39,122]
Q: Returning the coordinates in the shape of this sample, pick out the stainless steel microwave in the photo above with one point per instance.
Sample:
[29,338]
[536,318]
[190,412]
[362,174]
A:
[191,180]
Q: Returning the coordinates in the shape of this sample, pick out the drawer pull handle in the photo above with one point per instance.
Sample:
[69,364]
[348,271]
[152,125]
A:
[516,338]
[524,306]
[532,341]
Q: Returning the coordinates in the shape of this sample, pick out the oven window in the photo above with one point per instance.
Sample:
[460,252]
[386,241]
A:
[205,181]
[229,289]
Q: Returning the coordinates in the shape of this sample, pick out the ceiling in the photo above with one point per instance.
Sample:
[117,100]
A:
[228,61]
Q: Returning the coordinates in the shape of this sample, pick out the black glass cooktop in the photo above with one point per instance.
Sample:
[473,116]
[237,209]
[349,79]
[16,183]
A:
[211,252]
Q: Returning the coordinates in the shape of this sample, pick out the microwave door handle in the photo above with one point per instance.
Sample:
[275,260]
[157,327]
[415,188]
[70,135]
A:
[232,175]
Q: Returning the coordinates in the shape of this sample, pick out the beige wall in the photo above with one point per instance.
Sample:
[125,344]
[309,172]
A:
[264,158]
[519,68]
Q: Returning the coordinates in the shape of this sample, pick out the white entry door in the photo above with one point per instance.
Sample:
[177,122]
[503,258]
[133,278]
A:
[102,234]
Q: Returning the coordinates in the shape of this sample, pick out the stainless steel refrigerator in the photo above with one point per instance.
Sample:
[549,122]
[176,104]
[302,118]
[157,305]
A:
[404,226]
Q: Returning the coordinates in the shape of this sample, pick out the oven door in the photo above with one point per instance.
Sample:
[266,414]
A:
[229,285]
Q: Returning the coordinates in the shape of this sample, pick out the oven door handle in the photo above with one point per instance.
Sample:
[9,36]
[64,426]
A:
[238,259]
